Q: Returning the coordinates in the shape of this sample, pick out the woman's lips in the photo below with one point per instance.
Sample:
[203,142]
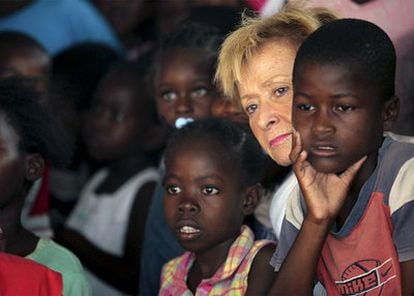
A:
[279,139]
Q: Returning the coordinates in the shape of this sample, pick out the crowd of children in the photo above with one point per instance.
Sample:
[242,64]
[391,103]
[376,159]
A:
[157,175]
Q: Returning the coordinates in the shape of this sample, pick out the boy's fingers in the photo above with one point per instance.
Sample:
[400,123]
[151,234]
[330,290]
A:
[350,172]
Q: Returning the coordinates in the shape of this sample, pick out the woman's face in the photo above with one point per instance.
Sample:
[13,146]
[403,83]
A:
[266,95]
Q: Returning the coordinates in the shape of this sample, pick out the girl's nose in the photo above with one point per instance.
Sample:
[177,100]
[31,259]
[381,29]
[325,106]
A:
[188,206]
[184,105]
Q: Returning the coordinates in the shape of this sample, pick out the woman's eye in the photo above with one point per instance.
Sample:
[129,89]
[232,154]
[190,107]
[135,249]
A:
[306,107]
[250,109]
[169,96]
[210,190]
[344,108]
[173,190]
[281,91]
[199,92]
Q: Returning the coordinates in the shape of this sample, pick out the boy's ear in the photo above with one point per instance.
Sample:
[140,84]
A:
[252,197]
[34,166]
[390,112]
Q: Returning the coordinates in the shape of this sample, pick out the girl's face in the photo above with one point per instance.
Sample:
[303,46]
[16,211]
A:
[184,85]
[204,200]
[113,128]
[12,166]
[266,95]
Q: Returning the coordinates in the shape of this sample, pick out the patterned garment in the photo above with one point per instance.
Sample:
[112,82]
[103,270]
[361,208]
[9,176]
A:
[230,278]
[363,257]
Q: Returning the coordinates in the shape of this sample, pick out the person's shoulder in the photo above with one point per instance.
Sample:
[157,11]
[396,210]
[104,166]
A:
[57,257]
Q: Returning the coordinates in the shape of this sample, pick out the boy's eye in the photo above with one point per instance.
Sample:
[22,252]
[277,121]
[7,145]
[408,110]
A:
[280,91]
[250,109]
[169,96]
[199,92]
[173,189]
[210,190]
[344,108]
[306,107]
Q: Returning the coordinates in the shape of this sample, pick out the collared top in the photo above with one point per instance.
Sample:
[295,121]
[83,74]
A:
[230,279]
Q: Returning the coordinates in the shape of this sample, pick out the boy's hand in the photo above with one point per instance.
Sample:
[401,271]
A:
[324,193]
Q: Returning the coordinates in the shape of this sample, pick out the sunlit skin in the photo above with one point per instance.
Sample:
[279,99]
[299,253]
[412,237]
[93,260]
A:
[338,115]
[184,85]
[266,95]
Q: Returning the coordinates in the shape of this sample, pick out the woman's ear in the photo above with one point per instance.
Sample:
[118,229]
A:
[252,197]
[34,166]
[391,111]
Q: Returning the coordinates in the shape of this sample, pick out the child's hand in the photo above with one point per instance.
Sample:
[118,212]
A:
[324,193]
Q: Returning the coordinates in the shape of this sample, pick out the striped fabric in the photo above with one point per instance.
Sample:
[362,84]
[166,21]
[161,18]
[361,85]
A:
[230,278]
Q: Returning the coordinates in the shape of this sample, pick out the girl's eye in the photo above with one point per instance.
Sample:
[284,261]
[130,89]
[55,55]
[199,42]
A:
[250,109]
[344,108]
[199,92]
[173,190]
[281,91]
[169,96]
[306,107]
[210,190]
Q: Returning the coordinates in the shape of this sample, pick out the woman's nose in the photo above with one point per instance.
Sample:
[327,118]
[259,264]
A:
[267,117]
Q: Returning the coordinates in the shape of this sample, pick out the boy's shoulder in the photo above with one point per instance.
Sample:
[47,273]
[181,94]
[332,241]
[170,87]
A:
[56,257]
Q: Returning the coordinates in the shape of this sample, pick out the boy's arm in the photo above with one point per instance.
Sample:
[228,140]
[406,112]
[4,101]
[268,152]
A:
[324,196]
[407,276]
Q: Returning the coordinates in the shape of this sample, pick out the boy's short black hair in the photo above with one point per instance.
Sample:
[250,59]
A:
[10,38]
[356,44]
[235,141]
[38,131]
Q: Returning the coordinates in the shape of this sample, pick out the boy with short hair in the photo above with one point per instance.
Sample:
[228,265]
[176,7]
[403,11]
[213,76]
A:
[351,226]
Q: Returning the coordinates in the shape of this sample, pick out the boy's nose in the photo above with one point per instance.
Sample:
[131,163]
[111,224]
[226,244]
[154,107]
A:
[323,123]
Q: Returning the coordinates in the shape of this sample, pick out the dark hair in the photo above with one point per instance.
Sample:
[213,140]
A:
[78,69]
[358,45]
[193,36]
[13,38]
[236,142]
[38,131]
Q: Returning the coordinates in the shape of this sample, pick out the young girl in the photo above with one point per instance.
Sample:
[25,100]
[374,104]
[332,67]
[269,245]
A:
[183,72]
[213,170]
[106,225]
[28,138]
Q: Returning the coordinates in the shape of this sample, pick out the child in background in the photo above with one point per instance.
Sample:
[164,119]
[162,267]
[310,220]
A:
[356,233]
[21,55]
[183,72]
[106,226]
[29,136]
[212,172]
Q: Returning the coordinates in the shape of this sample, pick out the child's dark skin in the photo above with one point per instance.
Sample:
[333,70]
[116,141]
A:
[184,85]
[340,121]
[205,207]
[114,136]
[18,169]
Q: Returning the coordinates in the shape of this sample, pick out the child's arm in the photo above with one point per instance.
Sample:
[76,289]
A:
[121,272]
[407,276]
[324,196]
[261,273]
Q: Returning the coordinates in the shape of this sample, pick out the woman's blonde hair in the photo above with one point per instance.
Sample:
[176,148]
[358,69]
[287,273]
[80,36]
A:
[292,24]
